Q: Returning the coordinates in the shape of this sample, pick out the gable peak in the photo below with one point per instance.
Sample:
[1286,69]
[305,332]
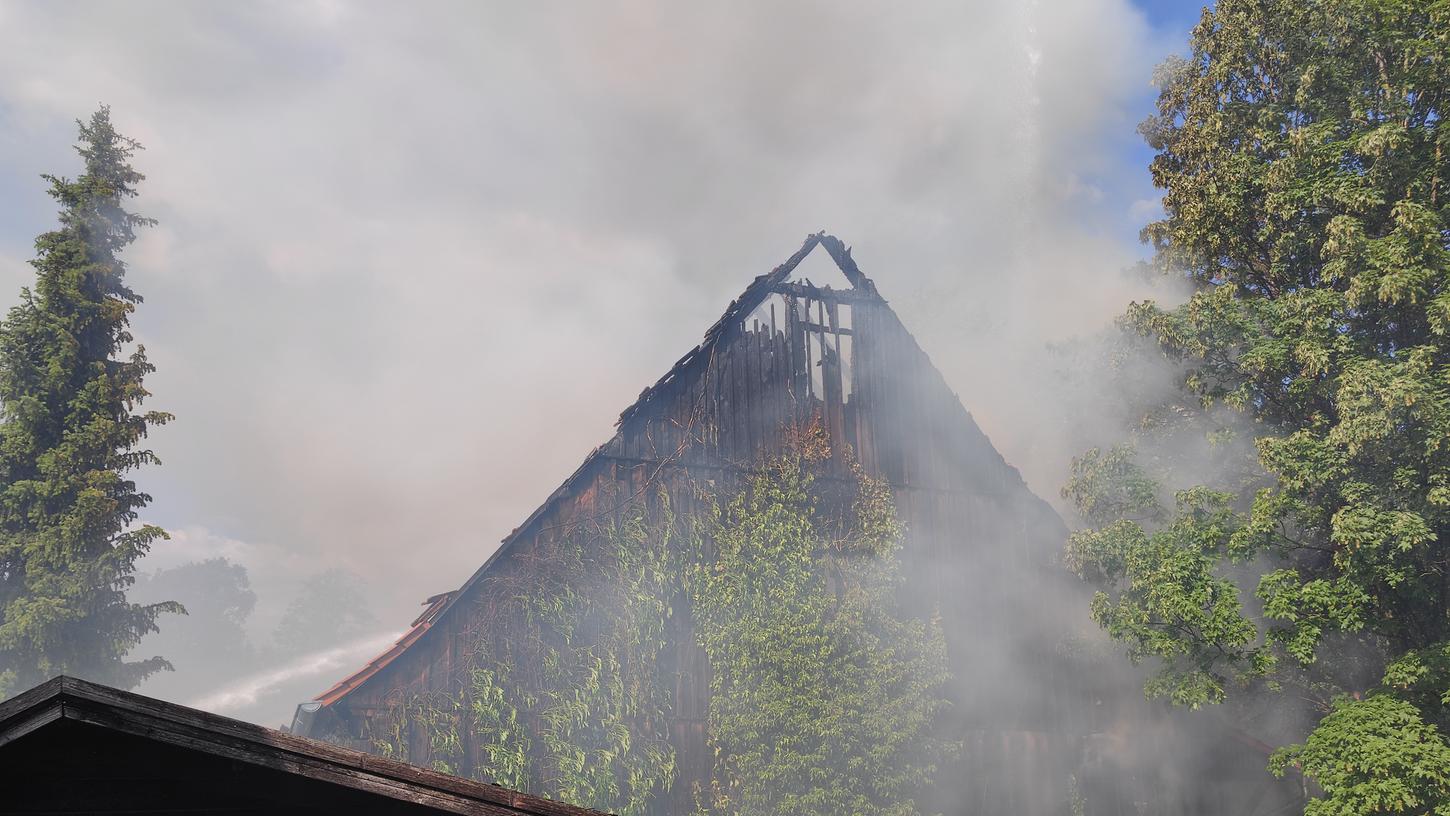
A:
[823,261]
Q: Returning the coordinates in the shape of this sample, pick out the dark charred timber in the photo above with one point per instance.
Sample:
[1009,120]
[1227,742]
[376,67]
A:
[825,294]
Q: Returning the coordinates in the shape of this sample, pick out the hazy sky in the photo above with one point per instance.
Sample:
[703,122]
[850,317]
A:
[413,259]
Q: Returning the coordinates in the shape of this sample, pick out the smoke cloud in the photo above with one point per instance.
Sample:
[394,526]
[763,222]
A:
[411,262]
[244,693]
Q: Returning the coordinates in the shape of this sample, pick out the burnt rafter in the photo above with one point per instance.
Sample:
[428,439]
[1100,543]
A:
[777,282]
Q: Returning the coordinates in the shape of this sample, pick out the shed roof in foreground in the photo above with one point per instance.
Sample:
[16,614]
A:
[69,746]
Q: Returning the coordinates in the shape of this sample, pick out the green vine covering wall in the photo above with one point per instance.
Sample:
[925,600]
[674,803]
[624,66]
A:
[563,693]
[821,697]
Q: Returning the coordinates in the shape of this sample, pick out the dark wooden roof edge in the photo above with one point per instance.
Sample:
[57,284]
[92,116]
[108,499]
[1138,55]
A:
[106,707]
[434,607]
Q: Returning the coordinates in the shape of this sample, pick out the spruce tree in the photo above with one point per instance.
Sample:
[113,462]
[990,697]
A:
[70,427]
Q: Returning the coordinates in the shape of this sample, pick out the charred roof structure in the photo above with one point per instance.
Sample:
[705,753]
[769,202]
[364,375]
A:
[1033,723]
[69,746]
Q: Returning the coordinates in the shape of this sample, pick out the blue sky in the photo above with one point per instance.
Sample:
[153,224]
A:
[1171,21]
[1171,14]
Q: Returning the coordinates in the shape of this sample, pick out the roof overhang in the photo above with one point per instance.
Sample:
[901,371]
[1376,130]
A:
[107,713]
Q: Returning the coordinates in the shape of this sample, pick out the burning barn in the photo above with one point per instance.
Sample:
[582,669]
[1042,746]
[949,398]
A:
[1037,722]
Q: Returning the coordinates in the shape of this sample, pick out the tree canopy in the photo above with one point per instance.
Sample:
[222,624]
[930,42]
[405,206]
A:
[70,430]
[1304,166]
[210,645]
[331,608]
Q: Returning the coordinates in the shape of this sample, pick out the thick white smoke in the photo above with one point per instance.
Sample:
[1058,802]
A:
[412,261]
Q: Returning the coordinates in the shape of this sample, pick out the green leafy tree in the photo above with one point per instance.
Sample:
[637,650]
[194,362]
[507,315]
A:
[822,694]
[1304,164]
[209,646]
[332,608]
[69,432]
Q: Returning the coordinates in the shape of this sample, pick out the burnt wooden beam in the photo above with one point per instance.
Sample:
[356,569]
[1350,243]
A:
[827,294]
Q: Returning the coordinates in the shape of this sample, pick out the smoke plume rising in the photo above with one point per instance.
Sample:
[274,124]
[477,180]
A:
[412,262]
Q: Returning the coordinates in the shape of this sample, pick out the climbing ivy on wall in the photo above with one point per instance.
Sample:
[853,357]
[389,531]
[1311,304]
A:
[576,641]
[602,702]
[563,694]
[822,695]
[503,743]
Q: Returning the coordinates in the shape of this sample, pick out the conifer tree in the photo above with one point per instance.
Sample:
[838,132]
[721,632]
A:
[70,427]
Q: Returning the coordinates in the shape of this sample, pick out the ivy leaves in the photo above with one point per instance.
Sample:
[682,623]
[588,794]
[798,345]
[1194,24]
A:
[822,696]
[563,693]
[586,667]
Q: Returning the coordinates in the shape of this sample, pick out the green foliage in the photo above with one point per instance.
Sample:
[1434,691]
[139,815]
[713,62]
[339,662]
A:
[564,693]
[596,686]
[504,742]
[1304,164]
[1171,602]
[436,716]
[822,697]
[69,431]
[1110,485]
[1375,755]
[209,646]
